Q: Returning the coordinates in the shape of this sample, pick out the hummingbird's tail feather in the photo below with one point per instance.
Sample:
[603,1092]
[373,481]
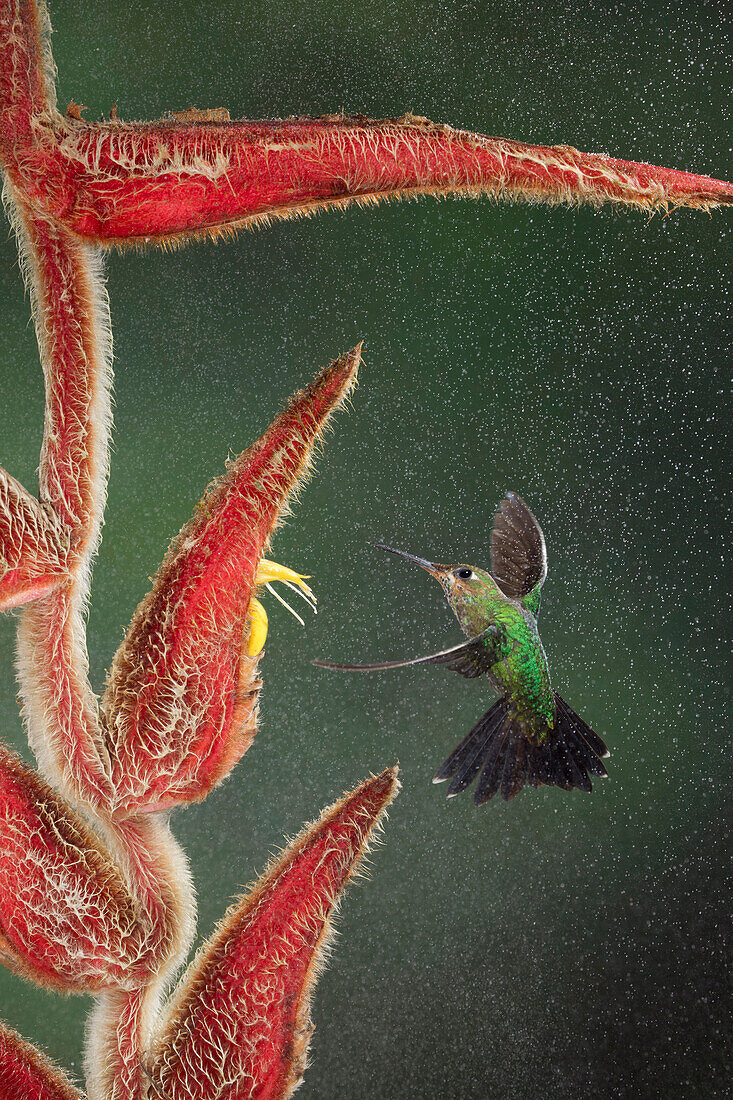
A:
[464,763]
[505,758]
[582,732]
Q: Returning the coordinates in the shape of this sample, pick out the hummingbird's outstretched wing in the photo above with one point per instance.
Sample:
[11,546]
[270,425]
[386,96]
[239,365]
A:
[518,553]
[470,659]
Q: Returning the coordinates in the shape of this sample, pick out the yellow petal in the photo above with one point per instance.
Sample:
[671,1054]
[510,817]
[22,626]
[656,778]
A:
[257,628]
[270,571]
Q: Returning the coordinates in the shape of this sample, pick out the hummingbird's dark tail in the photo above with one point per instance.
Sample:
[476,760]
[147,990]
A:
[504,758]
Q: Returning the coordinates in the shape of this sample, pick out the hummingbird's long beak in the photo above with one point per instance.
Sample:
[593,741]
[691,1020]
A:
[429,566]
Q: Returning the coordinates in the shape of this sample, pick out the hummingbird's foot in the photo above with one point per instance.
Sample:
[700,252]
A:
[267,572]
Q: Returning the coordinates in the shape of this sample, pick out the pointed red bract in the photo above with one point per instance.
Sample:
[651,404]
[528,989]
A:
[121,183]
[239,1025]
[194,174]
[66,917]
[26,1074]
[180,704]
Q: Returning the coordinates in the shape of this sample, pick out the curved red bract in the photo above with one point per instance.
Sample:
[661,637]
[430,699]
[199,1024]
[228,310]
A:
[181,700]
[26,1073]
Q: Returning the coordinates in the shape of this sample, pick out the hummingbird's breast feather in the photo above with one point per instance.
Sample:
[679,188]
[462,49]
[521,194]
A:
[523,674]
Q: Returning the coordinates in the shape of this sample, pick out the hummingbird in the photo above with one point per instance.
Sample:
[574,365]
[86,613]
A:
[530,736]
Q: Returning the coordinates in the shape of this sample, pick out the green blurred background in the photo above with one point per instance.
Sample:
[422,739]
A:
[564,945]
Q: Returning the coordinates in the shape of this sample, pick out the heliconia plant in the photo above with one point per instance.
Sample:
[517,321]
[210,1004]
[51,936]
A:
[95,893]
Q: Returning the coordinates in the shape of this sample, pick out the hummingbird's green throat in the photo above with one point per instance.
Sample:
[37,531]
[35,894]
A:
[530,736]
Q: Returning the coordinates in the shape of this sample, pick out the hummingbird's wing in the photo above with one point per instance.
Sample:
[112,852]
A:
[518,552]
[470,659]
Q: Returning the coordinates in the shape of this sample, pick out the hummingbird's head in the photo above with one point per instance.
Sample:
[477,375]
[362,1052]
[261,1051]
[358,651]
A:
[469,590]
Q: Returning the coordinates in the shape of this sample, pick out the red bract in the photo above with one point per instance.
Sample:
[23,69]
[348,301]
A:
[119,183]
[199,173]
[181,699]
[239,1025]
[49,856]
[24,1072]
[95,894]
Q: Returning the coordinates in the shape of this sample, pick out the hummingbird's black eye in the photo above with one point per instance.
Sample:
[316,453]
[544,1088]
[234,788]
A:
[463,573]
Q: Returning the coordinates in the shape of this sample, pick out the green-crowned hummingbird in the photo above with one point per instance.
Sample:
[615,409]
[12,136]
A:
[530,736]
